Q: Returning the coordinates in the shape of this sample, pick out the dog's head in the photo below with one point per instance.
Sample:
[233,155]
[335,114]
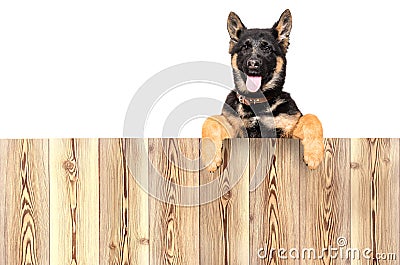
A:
[258,55]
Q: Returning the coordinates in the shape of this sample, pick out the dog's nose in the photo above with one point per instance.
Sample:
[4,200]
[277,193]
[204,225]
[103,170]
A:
[253,63]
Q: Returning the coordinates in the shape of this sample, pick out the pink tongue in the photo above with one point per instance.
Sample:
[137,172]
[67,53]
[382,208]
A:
[253,83]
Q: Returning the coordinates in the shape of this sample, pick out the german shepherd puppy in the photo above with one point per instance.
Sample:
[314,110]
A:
[257,106]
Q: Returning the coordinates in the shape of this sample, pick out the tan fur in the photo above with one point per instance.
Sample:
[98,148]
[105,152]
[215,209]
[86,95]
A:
[276,104]
[285,44]
[286,123]
[307,128]
[234,26]
[279,65]
[215,130]
[231,45]
[234,61]
[284,39]
[235,124]
[240,110]
[276,75]
[309,131]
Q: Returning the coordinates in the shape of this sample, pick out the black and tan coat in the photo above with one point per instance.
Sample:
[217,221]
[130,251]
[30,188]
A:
[260,108]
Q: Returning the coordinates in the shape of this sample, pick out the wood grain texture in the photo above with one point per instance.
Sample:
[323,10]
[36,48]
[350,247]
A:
[26,224]
[375,197]
[224,222]
[124,226]
[74,201]
[274,205]
[137,162]
[325,202]
[174,230]
[3,166]
[77,201]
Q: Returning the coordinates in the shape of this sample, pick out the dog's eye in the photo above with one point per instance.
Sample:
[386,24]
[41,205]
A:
[245,47]
[265,47]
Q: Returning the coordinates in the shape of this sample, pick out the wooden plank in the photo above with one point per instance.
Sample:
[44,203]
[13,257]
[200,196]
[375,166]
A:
[360,196]
[387,200]
[262,154]
[124,226]
[218,232]
[137,162]
[224,225]
[375,197]
[174,230]
[274,205]
[27,200]
[325,203]
[74,201]
[3,165]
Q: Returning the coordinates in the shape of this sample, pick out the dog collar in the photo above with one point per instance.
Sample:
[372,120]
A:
[250,101]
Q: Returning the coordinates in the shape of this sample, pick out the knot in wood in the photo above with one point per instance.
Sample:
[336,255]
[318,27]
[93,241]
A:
[69,165]
[354,165]
[227,195]
[112,245]
[251,217]
[144,241]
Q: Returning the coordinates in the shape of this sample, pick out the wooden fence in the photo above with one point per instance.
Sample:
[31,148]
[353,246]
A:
[77,201]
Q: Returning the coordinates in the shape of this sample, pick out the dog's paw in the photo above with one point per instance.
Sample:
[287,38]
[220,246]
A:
[214,165]
[314,154]
[211,154]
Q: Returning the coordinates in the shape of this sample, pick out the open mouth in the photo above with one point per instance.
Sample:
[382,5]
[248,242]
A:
[253,83]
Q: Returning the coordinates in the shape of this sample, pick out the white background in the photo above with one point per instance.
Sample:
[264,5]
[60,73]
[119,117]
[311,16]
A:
[70,68]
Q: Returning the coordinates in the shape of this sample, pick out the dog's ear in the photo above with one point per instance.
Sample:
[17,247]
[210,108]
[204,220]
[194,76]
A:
[235,26]
[283,28]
